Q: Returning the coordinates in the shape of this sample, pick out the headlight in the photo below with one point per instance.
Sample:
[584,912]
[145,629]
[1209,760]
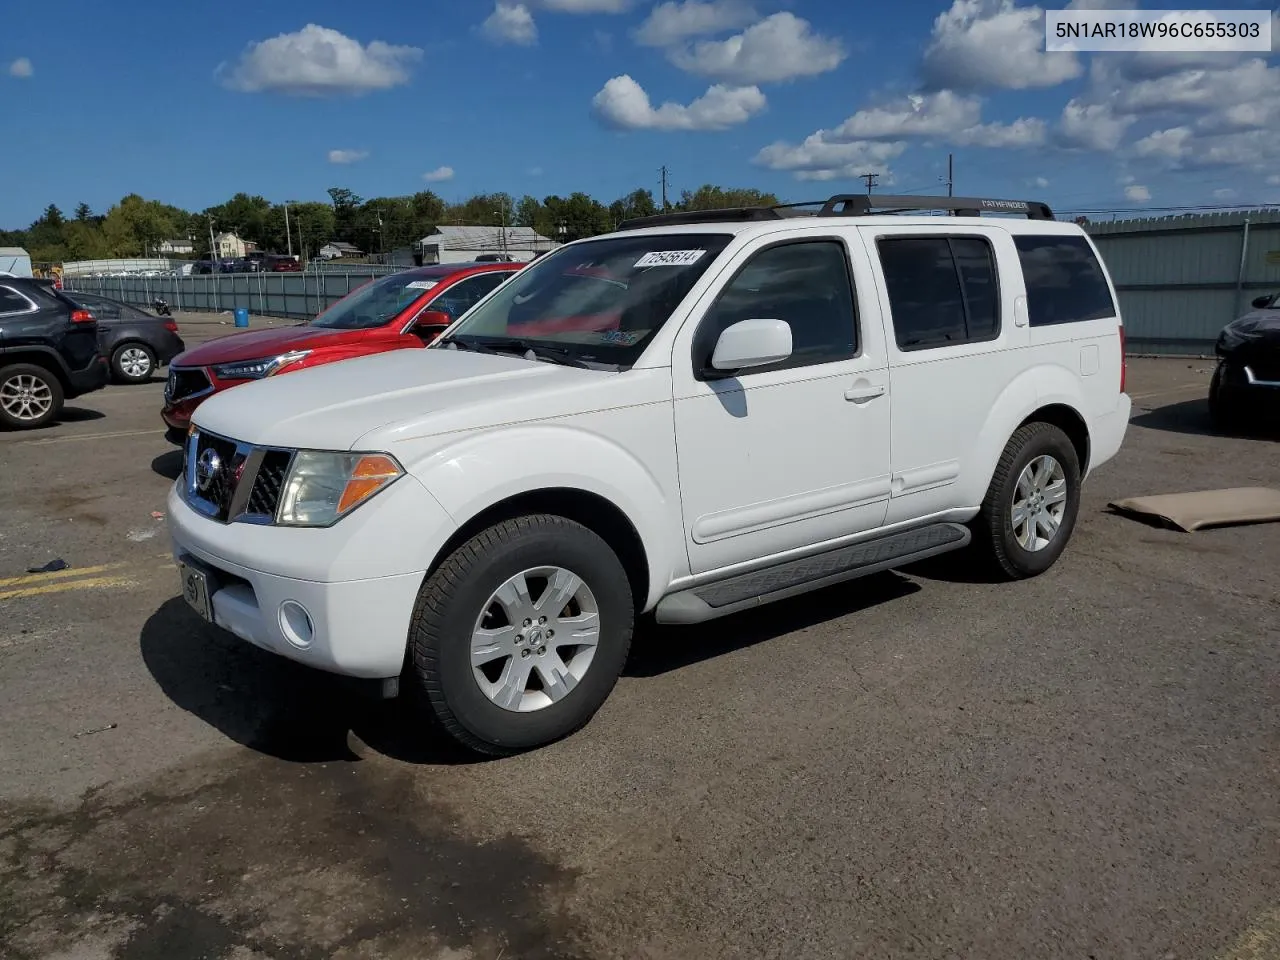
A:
[257,369]
[323,487]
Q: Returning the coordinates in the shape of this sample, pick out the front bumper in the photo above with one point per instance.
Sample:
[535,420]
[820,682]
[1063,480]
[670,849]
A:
[357,580]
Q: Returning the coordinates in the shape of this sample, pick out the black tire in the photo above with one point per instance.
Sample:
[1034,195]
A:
[453,598]
[1223,411]
[994,530]
[117,360]
[24,376]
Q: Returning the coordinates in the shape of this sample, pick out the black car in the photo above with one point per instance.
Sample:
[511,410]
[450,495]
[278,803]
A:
[135,343]
[1246,384]
[48,352]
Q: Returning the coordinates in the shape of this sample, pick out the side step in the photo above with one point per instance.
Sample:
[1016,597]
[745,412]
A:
[794,577]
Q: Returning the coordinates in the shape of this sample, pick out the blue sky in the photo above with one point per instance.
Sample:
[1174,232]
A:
[190,103]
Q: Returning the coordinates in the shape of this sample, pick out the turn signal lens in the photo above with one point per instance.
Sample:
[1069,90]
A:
[371,474]
[82,316]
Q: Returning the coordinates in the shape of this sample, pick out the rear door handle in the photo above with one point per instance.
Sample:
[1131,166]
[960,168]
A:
[863,394]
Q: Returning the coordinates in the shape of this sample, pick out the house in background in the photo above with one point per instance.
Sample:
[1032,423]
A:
[176,246]
[339,248]
[447,244]
[228,246]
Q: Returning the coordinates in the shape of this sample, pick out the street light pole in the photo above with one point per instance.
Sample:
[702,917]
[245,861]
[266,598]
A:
[287,235]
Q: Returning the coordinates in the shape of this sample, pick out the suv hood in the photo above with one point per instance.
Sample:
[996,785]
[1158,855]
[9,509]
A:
[374,401]
[257,344]
[1256,330]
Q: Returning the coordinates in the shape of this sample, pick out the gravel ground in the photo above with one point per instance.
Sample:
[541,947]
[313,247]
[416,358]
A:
[914,765]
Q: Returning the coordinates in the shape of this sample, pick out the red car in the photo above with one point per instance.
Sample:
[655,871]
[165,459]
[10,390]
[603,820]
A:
[403,310]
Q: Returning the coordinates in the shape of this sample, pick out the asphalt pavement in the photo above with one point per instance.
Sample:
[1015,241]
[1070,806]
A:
[919,764]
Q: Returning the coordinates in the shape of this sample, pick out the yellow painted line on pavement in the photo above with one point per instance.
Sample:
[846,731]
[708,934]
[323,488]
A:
[92,583]
[93,436]
[57,574]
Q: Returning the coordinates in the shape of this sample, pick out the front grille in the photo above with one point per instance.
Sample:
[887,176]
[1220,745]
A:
[268,484]
[184,383]
[214,472]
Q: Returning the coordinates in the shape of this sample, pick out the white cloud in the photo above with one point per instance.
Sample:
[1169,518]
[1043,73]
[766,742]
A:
[510,23]
[931,114]
[780,47]
[21,68]
[1223,193]
[1092,126]
[318,61]
[438,175]
[622,103]
[1102,5]
[820,159]
[674,22]
[347,156]
[1023,132]
[535,171]
[993,44]
[1040,182]
[1137,193]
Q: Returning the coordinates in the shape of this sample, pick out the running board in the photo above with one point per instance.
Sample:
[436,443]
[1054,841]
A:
[723,597]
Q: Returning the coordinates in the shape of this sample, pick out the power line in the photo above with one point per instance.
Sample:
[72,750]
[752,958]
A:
[871,179]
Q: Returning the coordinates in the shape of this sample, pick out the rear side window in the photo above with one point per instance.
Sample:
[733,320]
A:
[13,302]
[1065,282]
[943,291]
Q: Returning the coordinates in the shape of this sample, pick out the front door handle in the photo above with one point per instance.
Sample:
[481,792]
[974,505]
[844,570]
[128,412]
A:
[861,394]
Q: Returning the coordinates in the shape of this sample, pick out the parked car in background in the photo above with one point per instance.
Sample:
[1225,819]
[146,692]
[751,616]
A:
[403,310]
[48,352]
[1246,384]
[136,343]
[278,263]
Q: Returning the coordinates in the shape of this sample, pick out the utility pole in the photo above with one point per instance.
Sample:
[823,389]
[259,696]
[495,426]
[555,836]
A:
[663,181]
[871,179]
[950,175]
[213,251]
[287,235]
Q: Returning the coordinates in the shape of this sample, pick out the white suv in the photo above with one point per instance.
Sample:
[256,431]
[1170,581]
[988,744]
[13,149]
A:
[695,414]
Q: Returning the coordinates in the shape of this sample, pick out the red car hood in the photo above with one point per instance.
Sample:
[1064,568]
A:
[257,344]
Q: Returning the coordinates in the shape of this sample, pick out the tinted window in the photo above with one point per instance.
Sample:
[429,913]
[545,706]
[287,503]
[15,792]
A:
[807,285]
[12,302]
[942,290]
[1065,282]
[101,307]
[465,294]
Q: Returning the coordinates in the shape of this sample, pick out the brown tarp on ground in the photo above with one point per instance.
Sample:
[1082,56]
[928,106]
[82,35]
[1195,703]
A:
[1208,508]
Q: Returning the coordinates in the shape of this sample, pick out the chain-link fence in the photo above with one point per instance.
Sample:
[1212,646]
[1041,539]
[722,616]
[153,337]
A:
[294,295]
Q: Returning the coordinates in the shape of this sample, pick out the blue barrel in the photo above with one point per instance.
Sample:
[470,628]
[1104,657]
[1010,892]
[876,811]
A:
[242,316]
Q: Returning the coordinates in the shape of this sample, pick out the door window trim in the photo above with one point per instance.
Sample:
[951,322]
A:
[945,235]
[699,374]
[433,294]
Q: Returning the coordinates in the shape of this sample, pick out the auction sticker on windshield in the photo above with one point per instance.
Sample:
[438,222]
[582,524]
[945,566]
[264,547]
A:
[420,284]
[670,258]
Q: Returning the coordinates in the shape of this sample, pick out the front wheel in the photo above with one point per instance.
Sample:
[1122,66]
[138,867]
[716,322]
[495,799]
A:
[1224,411]
[1031,506]
[519,636]
[30,396]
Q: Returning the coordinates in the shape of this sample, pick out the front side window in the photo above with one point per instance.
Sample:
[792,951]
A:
[375,303]
[807,285]
[600,301]
[465,294]
[943,291]
[1065,282]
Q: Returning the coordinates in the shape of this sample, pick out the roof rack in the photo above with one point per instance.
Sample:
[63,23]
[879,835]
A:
[847,205]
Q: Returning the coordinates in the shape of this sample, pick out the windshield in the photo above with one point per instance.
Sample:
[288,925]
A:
[602,300]
[375,303]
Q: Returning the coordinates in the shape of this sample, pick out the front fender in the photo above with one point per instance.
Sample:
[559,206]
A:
[1036,387]
[482,470]
[324,355]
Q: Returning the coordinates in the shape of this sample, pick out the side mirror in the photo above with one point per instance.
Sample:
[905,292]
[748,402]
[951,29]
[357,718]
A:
[433,318]
[1261,303]
[752,343]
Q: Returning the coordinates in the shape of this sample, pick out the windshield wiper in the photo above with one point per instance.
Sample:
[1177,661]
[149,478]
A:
[465,345]
[537,350]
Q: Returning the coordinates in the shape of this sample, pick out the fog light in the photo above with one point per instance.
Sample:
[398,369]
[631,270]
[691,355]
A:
[295,624]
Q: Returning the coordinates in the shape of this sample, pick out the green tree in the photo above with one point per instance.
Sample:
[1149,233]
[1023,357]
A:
[83,213]
[637,203]
[711,197]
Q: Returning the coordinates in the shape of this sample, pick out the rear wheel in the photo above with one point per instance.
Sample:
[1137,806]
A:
[520,634]
[30,396]
[1030,508]
[133,362]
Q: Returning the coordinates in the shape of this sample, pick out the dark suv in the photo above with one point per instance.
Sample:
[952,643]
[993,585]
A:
[48,352]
